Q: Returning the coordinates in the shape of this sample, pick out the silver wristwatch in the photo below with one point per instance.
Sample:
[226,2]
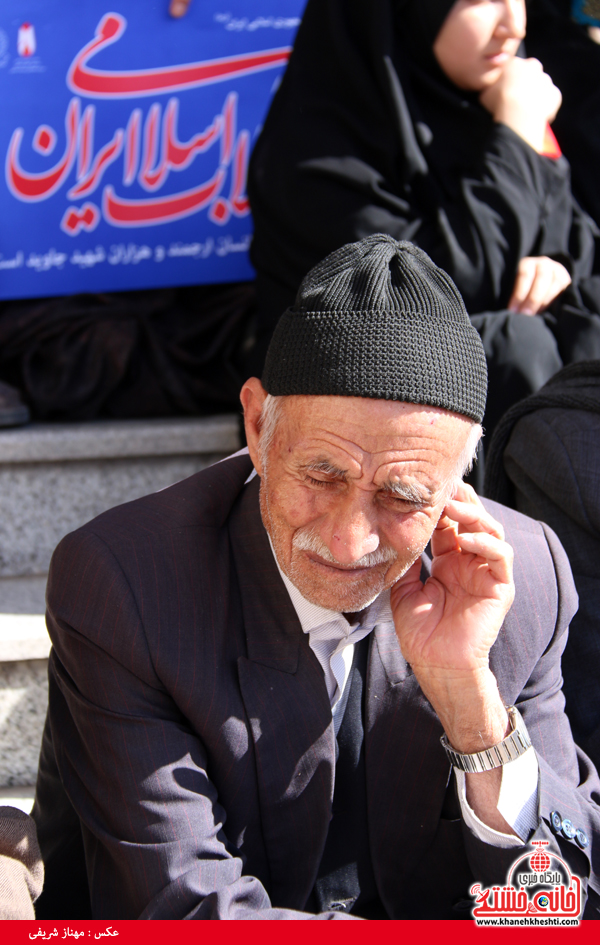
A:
[514,745]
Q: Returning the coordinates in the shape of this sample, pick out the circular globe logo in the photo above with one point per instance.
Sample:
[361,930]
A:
[540,862]
[543,901]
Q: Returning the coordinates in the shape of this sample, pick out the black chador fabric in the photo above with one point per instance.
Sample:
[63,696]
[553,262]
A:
[345,881]
[366,134]
[154,353]
[573,60]
[576,387]
[543,461]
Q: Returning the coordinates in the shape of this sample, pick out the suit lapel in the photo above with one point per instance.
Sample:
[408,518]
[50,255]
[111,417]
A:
[288,707]
[403,754]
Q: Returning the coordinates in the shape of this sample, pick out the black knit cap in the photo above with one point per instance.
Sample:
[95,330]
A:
[378,319]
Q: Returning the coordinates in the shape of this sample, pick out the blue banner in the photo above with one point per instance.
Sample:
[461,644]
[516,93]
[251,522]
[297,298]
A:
[125,137]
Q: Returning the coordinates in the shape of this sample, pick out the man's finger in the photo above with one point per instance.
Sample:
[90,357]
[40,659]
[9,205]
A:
[473,518]
[445,537]
[497,554]
[466,493]
[178,8]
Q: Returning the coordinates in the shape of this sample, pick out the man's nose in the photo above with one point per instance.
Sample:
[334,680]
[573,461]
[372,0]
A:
[351,531]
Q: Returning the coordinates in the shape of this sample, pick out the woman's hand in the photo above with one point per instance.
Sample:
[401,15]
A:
[524,98]
[539,281]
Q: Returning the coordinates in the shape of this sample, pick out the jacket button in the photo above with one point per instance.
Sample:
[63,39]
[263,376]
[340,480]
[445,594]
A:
[582,839]
[568,829]
[556,821]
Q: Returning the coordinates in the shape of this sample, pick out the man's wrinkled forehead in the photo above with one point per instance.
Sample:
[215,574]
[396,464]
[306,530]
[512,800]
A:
[375,421]
[386,442]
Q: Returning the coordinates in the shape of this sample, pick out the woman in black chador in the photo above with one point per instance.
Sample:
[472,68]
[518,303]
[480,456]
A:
[418,119]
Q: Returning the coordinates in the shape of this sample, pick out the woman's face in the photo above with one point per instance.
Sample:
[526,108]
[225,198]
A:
[477,39]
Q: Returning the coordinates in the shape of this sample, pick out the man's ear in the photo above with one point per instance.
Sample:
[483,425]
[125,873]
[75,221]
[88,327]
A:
[253,396]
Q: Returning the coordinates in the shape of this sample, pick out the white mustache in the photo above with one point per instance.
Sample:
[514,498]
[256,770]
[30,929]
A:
[308,540]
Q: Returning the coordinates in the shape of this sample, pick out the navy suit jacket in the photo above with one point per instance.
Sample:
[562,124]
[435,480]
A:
[190,744]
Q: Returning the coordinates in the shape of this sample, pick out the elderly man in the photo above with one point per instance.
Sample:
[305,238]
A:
[262,682]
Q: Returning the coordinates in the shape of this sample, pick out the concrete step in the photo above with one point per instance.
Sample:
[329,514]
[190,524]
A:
[23,702]
[23,637]
[24,594]
[54,478]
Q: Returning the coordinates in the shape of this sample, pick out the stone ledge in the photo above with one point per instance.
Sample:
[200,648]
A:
[23,637]
[40,502]
[23,595]
[118,439]
[23,705]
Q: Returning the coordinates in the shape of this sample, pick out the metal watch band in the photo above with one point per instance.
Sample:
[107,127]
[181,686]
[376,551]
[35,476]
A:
[514,745]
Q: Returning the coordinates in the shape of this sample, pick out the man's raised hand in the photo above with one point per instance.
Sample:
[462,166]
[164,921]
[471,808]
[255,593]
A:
[447,626]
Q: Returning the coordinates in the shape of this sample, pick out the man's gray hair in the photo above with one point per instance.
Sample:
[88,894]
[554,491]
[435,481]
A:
[464,463]
[271,413]
[269,418]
